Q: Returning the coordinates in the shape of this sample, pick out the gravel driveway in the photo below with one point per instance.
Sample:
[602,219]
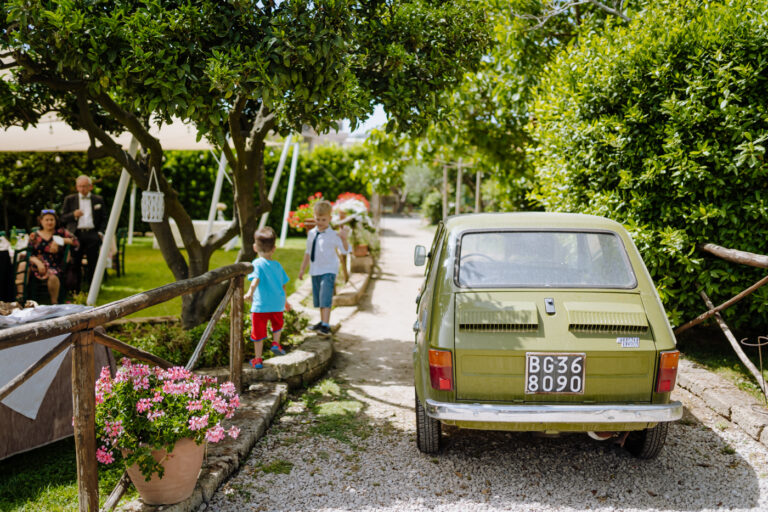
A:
[316,458]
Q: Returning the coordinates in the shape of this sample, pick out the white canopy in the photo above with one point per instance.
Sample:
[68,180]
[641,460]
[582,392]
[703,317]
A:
[53,134]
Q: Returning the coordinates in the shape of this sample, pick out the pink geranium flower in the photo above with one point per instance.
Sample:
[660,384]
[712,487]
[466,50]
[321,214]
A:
[104,456]
[145,406]
[215,434]
[198,422]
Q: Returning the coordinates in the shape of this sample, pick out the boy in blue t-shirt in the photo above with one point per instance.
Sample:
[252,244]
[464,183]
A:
[268,291]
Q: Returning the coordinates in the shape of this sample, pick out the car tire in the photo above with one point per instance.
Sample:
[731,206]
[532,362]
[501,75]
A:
[647,443]
[427,430]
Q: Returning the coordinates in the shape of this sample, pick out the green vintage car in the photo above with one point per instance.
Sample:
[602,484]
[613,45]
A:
[542,322]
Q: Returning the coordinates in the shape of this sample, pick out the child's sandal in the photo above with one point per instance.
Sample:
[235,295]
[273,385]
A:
[257,363]
[277,349]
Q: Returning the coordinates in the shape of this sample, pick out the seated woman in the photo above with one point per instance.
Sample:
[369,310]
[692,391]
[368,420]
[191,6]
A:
[47,251]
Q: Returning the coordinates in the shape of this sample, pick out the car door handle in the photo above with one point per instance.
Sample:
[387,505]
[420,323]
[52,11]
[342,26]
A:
[416,327]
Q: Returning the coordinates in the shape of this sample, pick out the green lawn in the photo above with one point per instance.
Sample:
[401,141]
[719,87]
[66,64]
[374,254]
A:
[146,269]
[46,479]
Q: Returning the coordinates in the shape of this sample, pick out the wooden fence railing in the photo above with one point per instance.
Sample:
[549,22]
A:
[82,337]
[744,258]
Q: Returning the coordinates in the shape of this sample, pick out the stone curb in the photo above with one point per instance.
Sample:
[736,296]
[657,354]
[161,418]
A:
[725,399]
[298,367]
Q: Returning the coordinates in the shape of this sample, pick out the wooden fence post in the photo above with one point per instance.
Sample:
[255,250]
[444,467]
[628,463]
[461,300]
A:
[84,411]
[236,333]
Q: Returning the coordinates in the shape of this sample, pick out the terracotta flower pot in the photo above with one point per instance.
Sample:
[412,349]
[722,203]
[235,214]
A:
[361,250]
[182,467]
[309,224]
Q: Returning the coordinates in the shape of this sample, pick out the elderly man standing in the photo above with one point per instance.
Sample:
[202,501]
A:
[85,215]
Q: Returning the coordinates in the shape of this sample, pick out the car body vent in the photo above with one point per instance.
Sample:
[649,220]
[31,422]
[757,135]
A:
[509,319]
[498,327]
[613,329]
[607,318]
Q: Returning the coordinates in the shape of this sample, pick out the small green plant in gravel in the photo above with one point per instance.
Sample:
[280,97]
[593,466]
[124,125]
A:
[336,414]
[279,467]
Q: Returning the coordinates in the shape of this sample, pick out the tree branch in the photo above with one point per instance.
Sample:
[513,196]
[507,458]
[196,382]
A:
[217,240]
[132,123]
[108,145]
[610,10]
[557,10]
[234,127]
[37,74]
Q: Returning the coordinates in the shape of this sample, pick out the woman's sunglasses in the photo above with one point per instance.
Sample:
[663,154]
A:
[43,212]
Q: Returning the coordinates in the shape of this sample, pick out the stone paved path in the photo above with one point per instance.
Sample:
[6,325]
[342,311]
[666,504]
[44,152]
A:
[313,459]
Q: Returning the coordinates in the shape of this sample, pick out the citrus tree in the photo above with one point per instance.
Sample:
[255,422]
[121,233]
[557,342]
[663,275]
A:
[238,70]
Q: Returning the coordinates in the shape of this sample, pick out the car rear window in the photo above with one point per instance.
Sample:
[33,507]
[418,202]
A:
[553,259]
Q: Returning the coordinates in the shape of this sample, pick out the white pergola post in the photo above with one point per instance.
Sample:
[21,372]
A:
[132,213]
[445,191]
[114,217]
[276,179]
[459,172]
[289,195]
[478,181]
[216,195]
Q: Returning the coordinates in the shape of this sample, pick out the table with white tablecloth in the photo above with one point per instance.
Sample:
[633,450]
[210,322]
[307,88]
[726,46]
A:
[39,411]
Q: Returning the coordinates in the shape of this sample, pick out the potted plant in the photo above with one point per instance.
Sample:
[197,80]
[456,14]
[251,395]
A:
[303,217]
[160,420]
[353,209]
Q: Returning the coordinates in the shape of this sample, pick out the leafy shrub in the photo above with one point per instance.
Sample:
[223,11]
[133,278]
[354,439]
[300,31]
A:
[176,345]
[432,207]
[661,125]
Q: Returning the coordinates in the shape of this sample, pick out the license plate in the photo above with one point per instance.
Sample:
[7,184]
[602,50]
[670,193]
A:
[554,373]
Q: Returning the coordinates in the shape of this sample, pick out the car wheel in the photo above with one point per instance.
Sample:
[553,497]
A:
[427,430]
[647,443]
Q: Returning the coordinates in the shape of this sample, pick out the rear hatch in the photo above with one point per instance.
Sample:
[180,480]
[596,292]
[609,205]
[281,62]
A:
[501,334]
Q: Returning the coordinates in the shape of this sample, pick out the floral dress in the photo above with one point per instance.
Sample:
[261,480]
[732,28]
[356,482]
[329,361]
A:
[41,248]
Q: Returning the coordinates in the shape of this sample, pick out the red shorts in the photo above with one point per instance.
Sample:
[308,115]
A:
[259,324]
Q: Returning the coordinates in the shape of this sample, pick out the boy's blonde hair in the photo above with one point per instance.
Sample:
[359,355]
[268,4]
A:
[322,208]
[264,239]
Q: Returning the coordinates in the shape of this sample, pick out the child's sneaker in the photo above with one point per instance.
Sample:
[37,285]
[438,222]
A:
[324,331]
[315,327]
[257,363]
[277,349]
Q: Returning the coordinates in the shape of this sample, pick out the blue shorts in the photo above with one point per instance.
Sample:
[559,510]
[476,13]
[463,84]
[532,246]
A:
[322,290]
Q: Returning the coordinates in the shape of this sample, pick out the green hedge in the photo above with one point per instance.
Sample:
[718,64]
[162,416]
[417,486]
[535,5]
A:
[661,124]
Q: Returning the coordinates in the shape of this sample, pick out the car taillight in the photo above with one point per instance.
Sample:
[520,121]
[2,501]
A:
[441,369]
[665,380]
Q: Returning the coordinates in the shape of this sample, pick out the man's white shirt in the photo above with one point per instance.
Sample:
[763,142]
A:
[85,221]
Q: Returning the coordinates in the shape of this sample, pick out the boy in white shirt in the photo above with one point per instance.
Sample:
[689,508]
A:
[322,244]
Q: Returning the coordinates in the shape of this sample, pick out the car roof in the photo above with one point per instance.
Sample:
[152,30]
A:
[542,220]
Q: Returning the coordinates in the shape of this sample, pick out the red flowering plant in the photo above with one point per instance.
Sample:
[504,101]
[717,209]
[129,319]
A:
[352,203]
[143,409]
[304,216]
[353,209]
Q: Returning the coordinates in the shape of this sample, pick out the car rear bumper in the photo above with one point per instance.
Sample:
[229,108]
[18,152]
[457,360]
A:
[636,413]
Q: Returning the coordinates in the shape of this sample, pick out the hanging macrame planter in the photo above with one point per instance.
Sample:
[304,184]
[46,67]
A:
[152,201]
